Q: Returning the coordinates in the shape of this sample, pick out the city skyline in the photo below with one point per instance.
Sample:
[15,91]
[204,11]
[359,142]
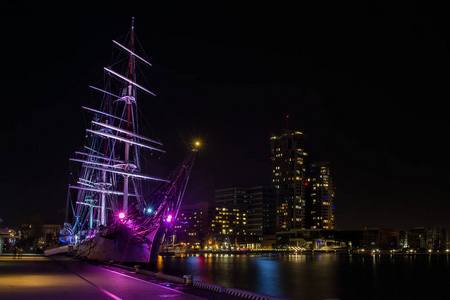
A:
[362,82]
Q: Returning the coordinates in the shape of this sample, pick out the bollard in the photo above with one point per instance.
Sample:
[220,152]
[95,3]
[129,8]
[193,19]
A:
[189,279]
[137,268]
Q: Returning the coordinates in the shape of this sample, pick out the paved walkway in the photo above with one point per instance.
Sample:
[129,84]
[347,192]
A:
[37,277]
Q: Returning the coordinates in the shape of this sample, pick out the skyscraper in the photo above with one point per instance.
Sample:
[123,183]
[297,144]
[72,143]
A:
[289,165]
[320,197]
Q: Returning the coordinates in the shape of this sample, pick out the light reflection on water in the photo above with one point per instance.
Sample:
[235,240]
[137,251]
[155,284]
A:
[319,276]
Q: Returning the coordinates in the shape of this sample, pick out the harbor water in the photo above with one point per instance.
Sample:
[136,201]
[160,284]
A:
[320,276]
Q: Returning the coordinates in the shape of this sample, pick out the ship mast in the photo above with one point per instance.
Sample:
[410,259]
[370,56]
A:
[102,162]
[131,94]
[111,184]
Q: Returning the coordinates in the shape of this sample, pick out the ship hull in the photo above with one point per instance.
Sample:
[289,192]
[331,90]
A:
[118,243]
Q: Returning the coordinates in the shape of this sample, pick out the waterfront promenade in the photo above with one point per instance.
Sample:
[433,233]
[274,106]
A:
[38,277]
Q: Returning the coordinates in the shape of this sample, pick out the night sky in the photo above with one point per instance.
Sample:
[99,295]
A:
[368,84]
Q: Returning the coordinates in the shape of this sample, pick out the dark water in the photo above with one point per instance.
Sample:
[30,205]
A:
[321,276]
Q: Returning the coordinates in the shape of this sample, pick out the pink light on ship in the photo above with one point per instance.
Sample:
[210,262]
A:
[121,215]
[169,218]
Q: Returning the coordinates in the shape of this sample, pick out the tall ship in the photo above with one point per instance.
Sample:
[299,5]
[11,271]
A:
[119,211]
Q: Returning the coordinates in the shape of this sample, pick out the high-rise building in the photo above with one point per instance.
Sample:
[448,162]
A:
[289,165]
[261,210]
[320,209]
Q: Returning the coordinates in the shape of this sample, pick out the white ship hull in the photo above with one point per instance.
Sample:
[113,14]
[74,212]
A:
[118,243]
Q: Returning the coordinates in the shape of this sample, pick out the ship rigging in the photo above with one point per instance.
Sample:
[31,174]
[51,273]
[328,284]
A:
[119,210]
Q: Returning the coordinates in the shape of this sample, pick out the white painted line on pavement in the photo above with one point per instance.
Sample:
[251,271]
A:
[143,280]
[93,284]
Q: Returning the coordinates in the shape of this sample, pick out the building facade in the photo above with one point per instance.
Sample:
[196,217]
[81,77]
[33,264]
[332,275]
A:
[421,238]
[289,166]
[320,194]
[258,203]
[191,225]
[230,220]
